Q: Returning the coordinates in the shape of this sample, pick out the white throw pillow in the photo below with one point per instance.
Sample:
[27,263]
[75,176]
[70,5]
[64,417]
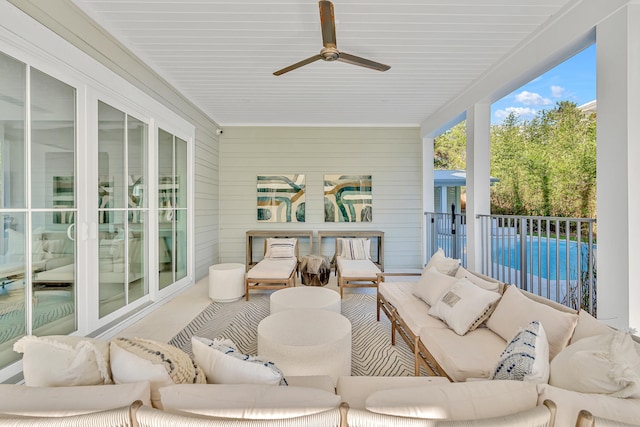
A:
[161,364]
[605,363]
[62,360]
[358,248]
[464,306]
[279,248]
[222,363]
[432,285]
[526,357]
[445,265]
[493,286]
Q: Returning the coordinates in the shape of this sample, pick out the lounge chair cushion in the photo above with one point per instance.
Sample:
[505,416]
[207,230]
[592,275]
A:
[457,401]
[515,310]
[474,355]
[361,268]
[273,269]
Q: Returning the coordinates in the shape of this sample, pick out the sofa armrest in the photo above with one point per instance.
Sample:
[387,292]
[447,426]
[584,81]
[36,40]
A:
[58,262]
[381,276]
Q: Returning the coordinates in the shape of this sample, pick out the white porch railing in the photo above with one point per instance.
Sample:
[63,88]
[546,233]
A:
[548,256]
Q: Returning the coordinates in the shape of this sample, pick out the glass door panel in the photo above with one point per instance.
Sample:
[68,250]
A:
[122,208]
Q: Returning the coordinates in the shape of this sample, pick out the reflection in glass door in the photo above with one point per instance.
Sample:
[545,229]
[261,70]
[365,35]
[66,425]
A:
[37,205]
[122,208]
[172,208]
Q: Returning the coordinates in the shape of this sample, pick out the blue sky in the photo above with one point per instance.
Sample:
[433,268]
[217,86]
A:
[574,80]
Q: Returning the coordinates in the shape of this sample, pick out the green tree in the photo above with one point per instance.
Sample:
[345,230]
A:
[449,149]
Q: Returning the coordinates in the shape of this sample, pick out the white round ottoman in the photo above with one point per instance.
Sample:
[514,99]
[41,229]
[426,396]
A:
[305,297]
[307,342]
[226,282]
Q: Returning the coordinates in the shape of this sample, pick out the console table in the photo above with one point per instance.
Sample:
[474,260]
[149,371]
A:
[368,234]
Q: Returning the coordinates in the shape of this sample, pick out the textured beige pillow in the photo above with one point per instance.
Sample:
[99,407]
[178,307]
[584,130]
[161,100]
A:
[161,364]
[432,285]
[588,326]
[605,363]
[493,286]
[464,306]
[62,360]
[515,310]
[444,265]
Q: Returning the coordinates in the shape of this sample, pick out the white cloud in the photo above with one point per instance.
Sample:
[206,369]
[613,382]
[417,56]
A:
[531,98]
[518,111]
[557,91]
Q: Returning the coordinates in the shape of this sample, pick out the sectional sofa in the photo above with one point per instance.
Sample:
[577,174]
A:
[583,364]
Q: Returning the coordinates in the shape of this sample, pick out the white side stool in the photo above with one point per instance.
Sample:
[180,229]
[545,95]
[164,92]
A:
[226,282]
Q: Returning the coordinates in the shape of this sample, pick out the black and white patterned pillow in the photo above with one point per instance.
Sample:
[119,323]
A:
[526,357]
[358,248]
[279,248]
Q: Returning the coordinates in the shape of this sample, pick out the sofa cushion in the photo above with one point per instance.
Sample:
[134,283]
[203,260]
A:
[588,326]
[464,306]
[516,310]
[63,401]
[569,403]
[605,363]
[474,355]
[457,401]
[222,363]
[357,268]
[414,311]
[247,400]
[442,263]
[137,359]
[356,389]
[62,360]
[526,357]
[322,382]
[489,285]
[432,285]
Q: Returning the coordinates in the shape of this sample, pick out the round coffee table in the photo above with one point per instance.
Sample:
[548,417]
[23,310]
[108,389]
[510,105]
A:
[305,297]
[307,342]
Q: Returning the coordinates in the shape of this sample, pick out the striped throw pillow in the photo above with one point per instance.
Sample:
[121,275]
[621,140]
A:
[279,248]
[358,248]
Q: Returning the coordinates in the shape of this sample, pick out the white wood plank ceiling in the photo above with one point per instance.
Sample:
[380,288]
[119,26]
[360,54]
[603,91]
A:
[221,53]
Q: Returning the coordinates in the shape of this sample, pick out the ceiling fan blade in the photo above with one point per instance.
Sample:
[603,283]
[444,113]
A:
[327,22]
[356,60]
[309,60]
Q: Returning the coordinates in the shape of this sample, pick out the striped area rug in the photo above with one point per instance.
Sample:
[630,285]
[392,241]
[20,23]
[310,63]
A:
[371,352]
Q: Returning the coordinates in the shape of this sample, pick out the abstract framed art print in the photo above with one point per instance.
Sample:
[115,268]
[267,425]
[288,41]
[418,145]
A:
[281,198]
[347,198]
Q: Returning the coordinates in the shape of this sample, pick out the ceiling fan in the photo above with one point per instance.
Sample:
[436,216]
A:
[330,50]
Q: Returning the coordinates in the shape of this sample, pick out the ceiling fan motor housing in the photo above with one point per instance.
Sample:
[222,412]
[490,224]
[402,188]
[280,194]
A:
[330,53]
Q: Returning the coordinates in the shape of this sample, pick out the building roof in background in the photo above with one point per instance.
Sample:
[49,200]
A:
[453,178]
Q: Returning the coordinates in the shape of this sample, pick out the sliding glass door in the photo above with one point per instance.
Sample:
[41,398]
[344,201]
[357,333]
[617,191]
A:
[172,208]
[122,208]
[38,205]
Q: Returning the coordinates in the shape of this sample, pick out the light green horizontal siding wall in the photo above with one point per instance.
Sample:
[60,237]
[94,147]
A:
[393,156]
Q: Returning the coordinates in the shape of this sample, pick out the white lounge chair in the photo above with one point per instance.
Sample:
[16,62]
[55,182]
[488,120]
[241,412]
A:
[278,269]
[354,266]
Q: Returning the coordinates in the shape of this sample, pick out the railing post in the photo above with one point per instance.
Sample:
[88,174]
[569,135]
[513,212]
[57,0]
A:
[523,254]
